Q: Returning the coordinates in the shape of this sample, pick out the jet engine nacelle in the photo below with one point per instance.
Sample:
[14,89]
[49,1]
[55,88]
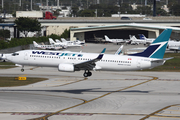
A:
[66,67]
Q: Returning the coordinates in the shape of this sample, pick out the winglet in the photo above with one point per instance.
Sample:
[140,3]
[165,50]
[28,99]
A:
[103,51]
[101,54]
[119,50]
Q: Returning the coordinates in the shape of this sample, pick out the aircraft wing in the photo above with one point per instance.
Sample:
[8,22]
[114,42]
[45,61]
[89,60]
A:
[89,65]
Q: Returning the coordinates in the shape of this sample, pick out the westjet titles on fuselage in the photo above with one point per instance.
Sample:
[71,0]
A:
[57,53]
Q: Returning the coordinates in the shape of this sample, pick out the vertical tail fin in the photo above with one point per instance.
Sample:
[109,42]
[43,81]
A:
[35,44]
[57,41]
[133,38]
[51,41]
[106,38]
[158,47]
[63,40]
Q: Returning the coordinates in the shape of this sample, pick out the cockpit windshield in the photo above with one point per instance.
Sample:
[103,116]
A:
[15,54]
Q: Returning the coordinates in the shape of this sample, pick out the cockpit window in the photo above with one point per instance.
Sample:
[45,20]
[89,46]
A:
[14,54]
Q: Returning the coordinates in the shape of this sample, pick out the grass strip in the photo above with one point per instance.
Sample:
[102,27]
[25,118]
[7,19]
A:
[11,81]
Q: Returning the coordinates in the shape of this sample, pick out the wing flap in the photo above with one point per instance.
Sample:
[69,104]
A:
[91,63]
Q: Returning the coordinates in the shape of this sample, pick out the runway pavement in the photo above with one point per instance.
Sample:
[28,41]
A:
[103,96]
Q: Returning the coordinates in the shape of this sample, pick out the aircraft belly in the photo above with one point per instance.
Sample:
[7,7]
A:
[116,67]
[133,65]
[46,63]
[41,62]
[156,63]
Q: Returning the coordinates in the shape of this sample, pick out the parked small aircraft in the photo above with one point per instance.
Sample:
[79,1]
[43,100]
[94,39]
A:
[117,41]
[173,45]
[135,41]
[148,40]
[98,39]
[64,44]
[47,47]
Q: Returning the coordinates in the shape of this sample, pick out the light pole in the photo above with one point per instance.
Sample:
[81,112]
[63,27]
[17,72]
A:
[145,2]
[57,4]
[20,3]
[31,5]
[26,7]
[154,8]
[96,12]
[2,4]
[47,3]
[87,4]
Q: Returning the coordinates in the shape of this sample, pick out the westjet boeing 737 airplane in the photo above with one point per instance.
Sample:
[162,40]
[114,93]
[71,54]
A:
[66,61]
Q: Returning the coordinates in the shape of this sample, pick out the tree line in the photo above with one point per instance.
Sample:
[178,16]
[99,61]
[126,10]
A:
[26,25]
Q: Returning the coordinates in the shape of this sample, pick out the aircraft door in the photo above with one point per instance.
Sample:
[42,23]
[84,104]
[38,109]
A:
[138,63]
[25,56]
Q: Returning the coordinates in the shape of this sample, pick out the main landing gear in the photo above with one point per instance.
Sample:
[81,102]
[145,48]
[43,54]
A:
[22,70]
[87,73]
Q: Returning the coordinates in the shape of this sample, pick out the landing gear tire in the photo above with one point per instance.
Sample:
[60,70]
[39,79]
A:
[87,73]
[22,70]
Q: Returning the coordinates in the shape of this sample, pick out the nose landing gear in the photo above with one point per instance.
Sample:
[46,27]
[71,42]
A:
[87,73]
[22,70]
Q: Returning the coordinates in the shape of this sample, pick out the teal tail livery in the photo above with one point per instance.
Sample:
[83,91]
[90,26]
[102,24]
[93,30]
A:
[69,61]
[158,47]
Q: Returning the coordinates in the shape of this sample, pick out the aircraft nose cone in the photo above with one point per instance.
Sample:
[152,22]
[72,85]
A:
[1,55]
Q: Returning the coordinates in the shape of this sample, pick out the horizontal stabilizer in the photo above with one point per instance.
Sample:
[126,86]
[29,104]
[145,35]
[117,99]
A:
[164,59]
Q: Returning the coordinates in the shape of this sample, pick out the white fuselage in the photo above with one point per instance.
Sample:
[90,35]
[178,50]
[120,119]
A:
[149,40]
[49,47]
[134,40]
[116,40]
[109,62]
[69,44]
